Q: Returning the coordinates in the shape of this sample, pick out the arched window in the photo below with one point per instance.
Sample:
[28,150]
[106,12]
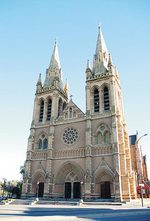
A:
[106,137]
[96,100]
[60,106]
[49,109]
[70,112]
[64,105]
[106,99]
[41,111]
[99,138]
[45,143]
[74,114]
[40,144]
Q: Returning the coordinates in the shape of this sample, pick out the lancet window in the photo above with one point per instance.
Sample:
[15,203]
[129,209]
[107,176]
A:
[60,106]
[43,142]
[49,109]
[106,99]
[41,111]
[103,135]
[96,100]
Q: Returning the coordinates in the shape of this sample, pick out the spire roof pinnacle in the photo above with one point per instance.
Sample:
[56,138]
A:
[39,79]
[100,62]
[66,88]
[54,73]
[109,60]
[100,46]
[88,64]
[55,57]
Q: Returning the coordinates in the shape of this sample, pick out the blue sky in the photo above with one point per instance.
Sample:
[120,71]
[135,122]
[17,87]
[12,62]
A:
[28,29]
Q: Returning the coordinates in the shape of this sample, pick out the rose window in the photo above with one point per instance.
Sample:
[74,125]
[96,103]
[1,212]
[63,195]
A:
[70,136]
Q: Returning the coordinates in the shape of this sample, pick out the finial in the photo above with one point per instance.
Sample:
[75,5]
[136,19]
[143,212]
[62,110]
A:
[109,60]
[39,79]
[88,63]
[66,89]
[99,26]
[55,41]
[71,97]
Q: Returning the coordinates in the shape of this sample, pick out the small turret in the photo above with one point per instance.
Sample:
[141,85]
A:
[66,89]
[88,70]
[39,84]
[110,64]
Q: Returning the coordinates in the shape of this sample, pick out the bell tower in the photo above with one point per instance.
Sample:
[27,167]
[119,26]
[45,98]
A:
[50,100]
[51,97]
[104,105]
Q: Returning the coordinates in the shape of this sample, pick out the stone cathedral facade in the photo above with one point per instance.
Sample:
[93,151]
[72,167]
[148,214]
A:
[72,154]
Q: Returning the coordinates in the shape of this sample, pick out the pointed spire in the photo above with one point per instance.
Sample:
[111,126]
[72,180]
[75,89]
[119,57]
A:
[101,54]
[55,58]
[54,72]
[101,48]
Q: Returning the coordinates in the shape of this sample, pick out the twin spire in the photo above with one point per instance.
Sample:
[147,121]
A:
[53,74]
[55,63]
[101,49]
[101,56]
[101,63]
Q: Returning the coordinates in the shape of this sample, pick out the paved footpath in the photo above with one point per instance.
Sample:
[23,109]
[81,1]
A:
[126,212]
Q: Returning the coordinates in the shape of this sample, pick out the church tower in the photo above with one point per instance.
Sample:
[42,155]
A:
[50,100]
[104,105]
[72,154]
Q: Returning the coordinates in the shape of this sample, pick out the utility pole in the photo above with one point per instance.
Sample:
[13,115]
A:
[139,161]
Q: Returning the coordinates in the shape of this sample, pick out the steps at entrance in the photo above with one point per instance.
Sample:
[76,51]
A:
[58,202]
[22,202]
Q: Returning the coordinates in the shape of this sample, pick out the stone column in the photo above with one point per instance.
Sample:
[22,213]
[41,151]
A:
[45,111]
[115,141]
[88,172]
[88,100]
[54,112]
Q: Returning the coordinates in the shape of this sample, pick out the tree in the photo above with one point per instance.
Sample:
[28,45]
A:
[22,170]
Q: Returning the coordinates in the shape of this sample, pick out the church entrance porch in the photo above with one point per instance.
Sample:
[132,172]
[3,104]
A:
[104,184]
[68,181]
[38,184]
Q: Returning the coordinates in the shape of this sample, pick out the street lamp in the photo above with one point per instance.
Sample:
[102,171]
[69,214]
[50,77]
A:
[139,166]
[37,193]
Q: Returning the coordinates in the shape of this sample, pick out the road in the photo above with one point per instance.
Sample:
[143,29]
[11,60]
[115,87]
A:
[72,213]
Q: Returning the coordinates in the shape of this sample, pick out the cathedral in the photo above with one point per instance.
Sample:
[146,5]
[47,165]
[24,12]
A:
[72,154]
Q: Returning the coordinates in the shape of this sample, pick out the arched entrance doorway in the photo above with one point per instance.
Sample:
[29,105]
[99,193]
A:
[68,181]
[104,185]
[105,190]
[72,186]
[40,189]
[38,184]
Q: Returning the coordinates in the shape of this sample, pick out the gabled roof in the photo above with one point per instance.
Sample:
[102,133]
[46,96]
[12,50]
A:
[71,111]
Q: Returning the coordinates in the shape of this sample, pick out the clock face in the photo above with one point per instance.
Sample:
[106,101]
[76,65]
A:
[70,136]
